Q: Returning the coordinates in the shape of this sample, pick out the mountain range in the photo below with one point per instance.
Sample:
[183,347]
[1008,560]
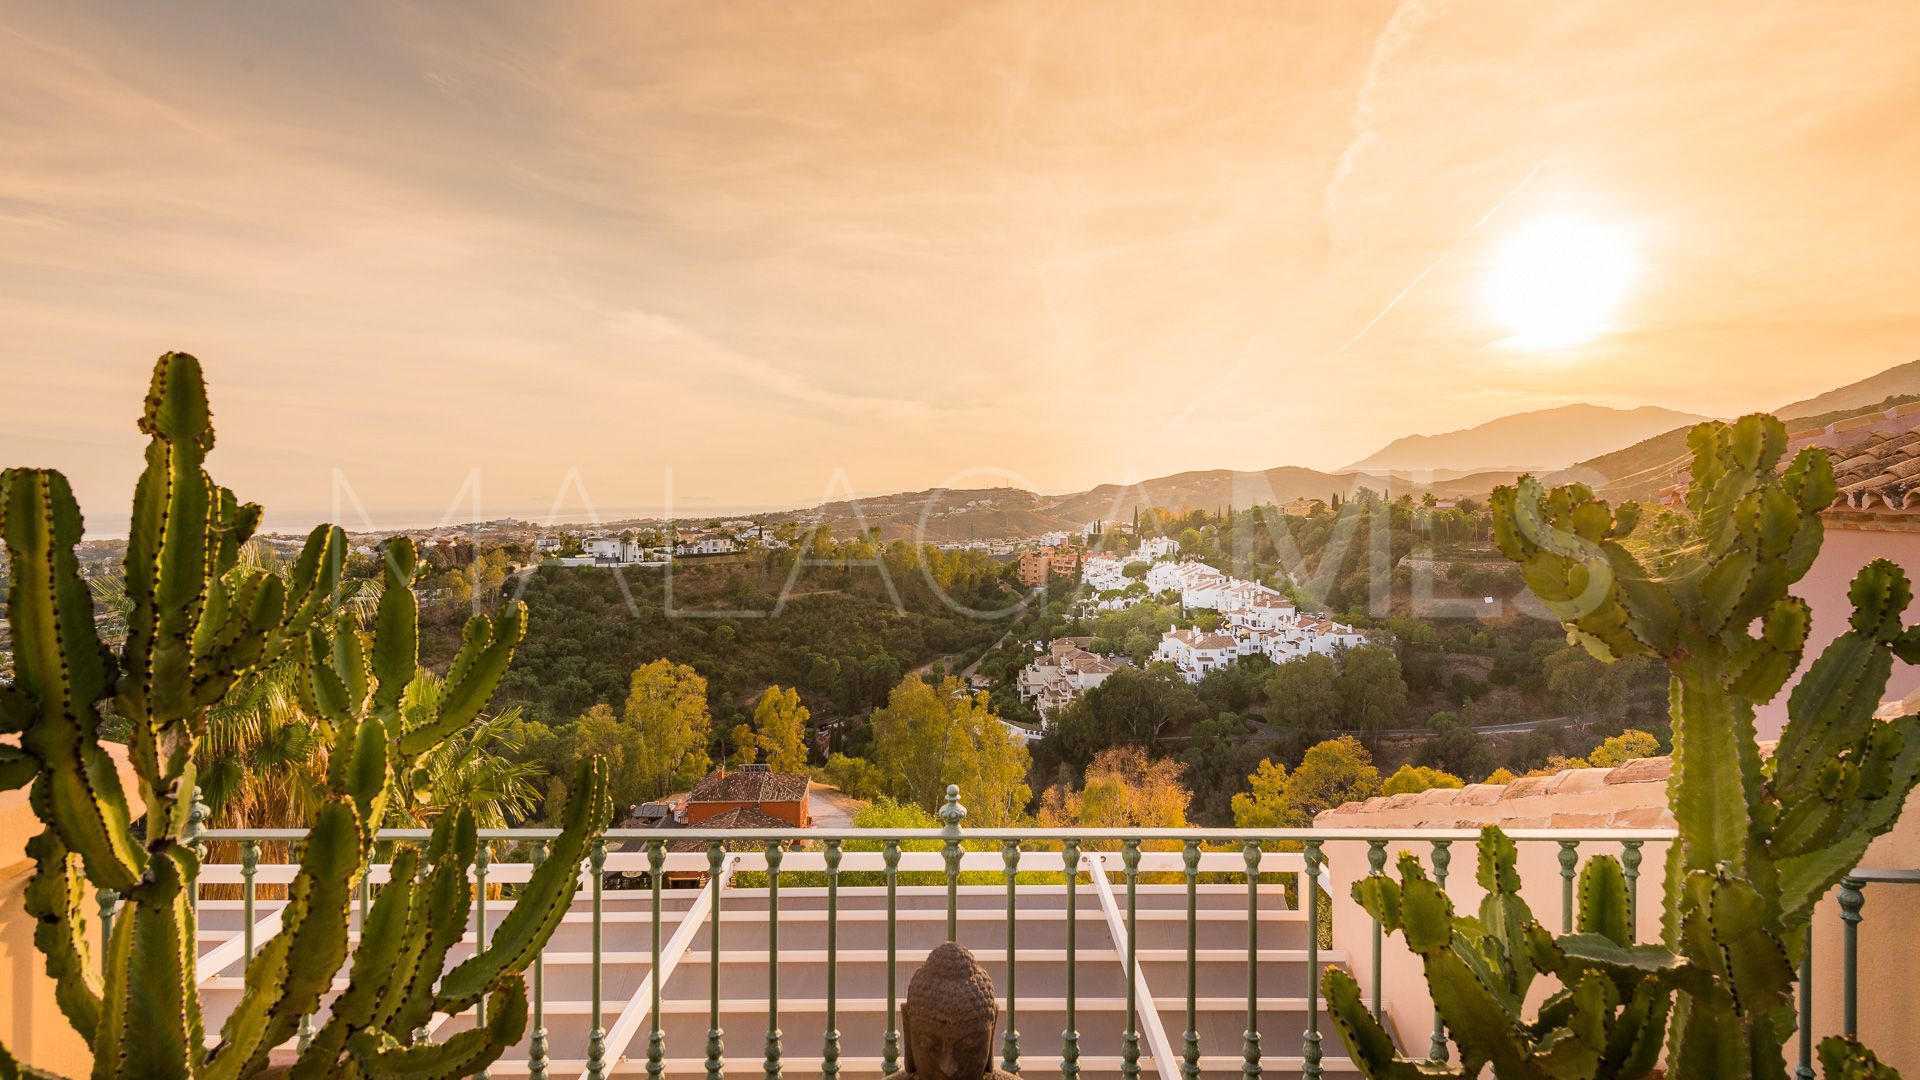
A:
[1625,453]
[1528,441]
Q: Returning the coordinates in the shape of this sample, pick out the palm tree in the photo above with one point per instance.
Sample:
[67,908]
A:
[263,763]
[474,768]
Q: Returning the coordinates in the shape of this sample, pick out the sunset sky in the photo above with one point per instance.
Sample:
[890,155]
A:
[1054,244]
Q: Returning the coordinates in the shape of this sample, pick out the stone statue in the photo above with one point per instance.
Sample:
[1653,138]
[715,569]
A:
[948,1020]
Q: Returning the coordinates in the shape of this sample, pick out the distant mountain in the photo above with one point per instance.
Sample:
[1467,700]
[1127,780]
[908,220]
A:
[1540,440]
[1894,382]
[941,514]
[1642,469]
[1220,488]
[1625,453]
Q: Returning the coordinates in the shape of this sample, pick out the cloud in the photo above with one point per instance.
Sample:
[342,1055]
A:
[1402,27]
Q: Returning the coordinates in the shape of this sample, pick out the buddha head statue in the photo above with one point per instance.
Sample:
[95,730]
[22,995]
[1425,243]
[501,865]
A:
[948,1018]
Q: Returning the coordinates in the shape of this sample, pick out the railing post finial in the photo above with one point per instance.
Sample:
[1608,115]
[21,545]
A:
[952,813]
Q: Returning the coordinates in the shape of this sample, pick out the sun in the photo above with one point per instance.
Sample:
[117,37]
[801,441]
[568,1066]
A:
[1558,282]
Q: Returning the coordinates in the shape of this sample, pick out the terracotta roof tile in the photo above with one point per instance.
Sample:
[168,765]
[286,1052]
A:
[1644,770]
[750,787]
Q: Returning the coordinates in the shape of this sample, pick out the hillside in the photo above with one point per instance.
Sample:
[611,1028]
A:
[1901,381]
[1215,488]
[1543,439]
[1626,453]
[1640,470]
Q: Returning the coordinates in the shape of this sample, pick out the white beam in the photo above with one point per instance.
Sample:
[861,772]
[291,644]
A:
[627,1025]
[1145,1011]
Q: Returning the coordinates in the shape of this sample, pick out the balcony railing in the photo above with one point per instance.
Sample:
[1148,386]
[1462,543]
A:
[1171,951]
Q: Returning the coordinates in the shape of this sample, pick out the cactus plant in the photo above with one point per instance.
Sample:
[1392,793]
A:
[1607,1020]
[198,621]
[1760,837]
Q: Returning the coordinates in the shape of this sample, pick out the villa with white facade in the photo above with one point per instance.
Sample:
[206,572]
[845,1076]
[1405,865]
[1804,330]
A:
[1103,573]
[1157,547]
[707,545]
[1197,652]
[1064,672]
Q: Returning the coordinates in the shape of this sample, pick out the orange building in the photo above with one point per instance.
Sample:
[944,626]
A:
[782,796]
[1037,563]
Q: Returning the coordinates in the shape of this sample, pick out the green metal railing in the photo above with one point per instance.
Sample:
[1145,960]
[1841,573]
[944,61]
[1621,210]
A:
[1852,898]
[1013,872]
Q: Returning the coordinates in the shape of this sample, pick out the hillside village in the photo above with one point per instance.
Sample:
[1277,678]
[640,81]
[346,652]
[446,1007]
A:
[1247,619]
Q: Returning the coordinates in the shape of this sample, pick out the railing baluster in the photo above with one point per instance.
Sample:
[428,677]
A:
[1437,1047]
[107,899]
[775,852]
[1190,1054]
[716,1063]
[656,1036]
[249,867]
[951,815]
[1569,860]
[1310,1048]
[480,860]
[1805,1023]
[197,813]
[597,1035]
[1630,869]
[1010,1044]
[1250,1050]
[830,1053]
[1070,1036]
[1130,1044]
[1376,864]
[1852,899]
[419,1034]
[890,1044]
[303,1035]
[538,1060]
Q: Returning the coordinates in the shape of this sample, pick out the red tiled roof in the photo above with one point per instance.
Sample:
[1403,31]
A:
[740,817]
[750,787]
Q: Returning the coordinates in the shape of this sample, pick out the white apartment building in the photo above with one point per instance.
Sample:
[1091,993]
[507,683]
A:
[1064,672]
[1157,547]
[1263,613]
[707,545]
[1102,573]
[1196,652]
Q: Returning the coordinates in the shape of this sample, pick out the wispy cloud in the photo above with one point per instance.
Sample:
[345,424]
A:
[1399,33]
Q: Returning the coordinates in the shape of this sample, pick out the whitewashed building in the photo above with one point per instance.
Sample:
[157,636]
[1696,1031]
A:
[1157,547]
[707,545]
[1063,672]
[1102,573]
[1195,652]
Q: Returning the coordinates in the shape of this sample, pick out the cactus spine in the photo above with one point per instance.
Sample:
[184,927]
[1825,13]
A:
[1761,839]
[199,622]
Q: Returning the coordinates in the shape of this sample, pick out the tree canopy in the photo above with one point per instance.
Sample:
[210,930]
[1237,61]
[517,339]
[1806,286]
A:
[1332,772]
[931,735]
[1124,788]
[667,708]
[780,729]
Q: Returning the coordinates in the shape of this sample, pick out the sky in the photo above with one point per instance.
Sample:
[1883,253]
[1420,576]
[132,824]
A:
[596,258]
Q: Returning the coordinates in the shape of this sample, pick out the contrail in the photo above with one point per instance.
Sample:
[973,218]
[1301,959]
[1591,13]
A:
[1238,363]
[1443,257]
[1407,19]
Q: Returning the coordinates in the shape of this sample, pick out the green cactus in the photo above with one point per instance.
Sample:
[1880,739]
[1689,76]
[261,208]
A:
[1607,1020]
[1761,839]
[198,622]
